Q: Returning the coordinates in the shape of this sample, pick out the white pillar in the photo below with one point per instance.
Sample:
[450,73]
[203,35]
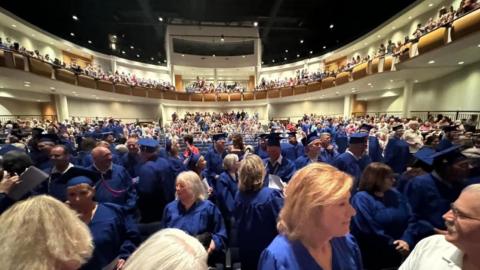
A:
[215,77]
[347,106]
[407,98]
[61,106]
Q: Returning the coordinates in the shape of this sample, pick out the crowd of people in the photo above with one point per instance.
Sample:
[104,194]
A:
[201,86]
[361,193]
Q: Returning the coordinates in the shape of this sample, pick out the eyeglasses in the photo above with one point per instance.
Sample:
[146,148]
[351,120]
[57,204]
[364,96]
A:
[458,214]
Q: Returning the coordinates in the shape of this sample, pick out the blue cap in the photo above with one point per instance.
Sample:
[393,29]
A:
[219,136]
[76,175]
[397,127]
[358,138]
[273,139]
[7,148]
[312,137]
[292,134]
[263,136]
[79,180]
[192,161]
[168,145]
[148,145]
[365,127]
[425,155]
[449,128]
[448,156]
[48,138]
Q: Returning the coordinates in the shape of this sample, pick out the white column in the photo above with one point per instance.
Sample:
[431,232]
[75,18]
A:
[407,98]
[113,64]
[347,106]
[61,105]
[215,77]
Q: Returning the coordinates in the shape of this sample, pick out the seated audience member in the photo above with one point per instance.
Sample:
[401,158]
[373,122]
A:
[459,247]
[195,215]
[43,233]
[115,235]
[384,225]
[169,249]
[314,223]
[256,211]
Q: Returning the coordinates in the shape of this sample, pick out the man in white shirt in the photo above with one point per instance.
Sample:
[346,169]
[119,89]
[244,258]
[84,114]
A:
[460,247]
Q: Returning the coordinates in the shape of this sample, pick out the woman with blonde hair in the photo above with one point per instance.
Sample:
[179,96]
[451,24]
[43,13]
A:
[42,233]
[169,249]
[314,223]
[194,214]
[256,211]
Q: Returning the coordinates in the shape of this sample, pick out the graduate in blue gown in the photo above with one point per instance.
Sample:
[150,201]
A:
[194,214]
[293,149]
[256,211]
[276,165]
[176,166]
[41,155]
[450,134]
[227,187]
[397,152]
[131,160]
[261,148]
[115,234]
[315,217]
[341,139]
[214,158]
[312,151]
[115,184]
[430,195]
[350,161]
[328,152]
[375,152]
[384,224]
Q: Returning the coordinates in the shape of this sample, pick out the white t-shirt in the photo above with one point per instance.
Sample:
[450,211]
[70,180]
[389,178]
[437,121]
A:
[434,253]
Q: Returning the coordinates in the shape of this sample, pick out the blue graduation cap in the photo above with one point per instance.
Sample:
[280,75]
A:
[425,155]
[449,128]
[358,138]
[49,138]
[192,161]
[76,175]
[106,134]
[448,156]
[365,128]
[148,145]
[398,127]
[311,137]
[292,134]
[262,136]
[219,136]
[7,148]
[273,139]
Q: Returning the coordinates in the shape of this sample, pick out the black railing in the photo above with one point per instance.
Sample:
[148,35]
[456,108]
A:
[454,115]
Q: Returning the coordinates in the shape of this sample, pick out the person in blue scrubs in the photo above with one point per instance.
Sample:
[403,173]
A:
[256,212]
[430,195]
[314,223]
[115,234]
[384,225]
[397,151]
[312,151]
[292,150]
[276,165]
[351,160]
[197,216]
[261,148]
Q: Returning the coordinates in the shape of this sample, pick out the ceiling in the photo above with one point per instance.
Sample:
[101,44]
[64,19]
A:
[286,27]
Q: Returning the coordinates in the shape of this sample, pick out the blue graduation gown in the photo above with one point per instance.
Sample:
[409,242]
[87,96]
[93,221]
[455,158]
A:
[379,222]
[202,217]
[292,151]
[285,170]
[226,190]
[374,149]
[304,161]
[342,142]
[131,162]
[328,157]
[114,235]
[443,144]
[292,255]
[397,154]
[261,153]
[214,164]
[256,216]
[347,163]
[430,198]
[116,186]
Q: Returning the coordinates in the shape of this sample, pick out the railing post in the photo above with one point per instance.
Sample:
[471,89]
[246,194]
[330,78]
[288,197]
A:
[456,115]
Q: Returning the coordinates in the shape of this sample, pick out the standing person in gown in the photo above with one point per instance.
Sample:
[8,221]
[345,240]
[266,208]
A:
[227,187]
[279,169]
[256,211]
[397,151]
[312,151]
[314,223]
[384,225]
[115,235]
[197,216]
[328,151]
[261,148]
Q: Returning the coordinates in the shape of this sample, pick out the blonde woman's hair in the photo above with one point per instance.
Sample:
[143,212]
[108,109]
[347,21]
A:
[314,186]
[251,173]
[42,233]
[169,249]
[229,160]
[192,180]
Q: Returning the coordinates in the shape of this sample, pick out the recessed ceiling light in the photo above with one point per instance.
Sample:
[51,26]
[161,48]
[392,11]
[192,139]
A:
[52,88]
[311,52]
[26,85]
[286,51]
[353,88]
[379,36]
[285,58]
[164,60]
[213,55]
[243,56]
[38,100]
[298,55]
[273,60]
[74,17]
[129,100]
[89,42]
[431,62]
[33,35]
[353,91]
[14,26]
[151,58]
[478,45]
[138,55]
[393,27]
[409,17]
[301,41]
[461,63]
[183,55]
[26,82]
[337,92]
[391,80]
[430,5]
[255,24]
[74,92]
[131,47]
[324,47]
[331,26]
[160,19]
[369,84]
[416,81]
[72,34]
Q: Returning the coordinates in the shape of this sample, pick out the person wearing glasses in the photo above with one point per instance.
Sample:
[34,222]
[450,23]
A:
[459,247]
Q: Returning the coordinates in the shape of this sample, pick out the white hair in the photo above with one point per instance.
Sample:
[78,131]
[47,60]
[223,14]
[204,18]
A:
[229,160]
[193,181]
[472,188]
[169,249]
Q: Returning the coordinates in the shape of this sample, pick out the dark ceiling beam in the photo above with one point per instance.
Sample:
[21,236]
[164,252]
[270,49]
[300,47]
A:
[273,15]
[147,10]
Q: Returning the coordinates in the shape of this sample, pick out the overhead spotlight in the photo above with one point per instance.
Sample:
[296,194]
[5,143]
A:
[298,55]
[14,26]
[89,42]
[243,56]
[255,24]
[273,60]
[183,55]
[430,5]
[113,46]
[285,58]
[164,60]
[138,55]
[151,58]
[160,19]
[52,88]
[431,62]
[324,47]
[331,26]
[26,82]
[72,34]
[416,81]
[286,51]
[461,63]
[123,52]
[213,55]
[311,52]
[301,41]
[131,47]
[74,17]
[222,38]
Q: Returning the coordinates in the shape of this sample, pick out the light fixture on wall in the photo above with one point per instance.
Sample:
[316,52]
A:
[222,38]
[255,24]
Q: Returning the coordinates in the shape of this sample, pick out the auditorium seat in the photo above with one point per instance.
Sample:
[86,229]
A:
[387,63]
[2,58]
[466,25]
[343,77]
[121,88]
[86,81]
[222,97]
[196,97]
[139,91]
[374,65]
[299,89]
[105,85]
[261,95]
[286,91]
[65,75]
[170,95]
[8,58]
[19,61]
[235,97]
[360,71]
[210,97]
[328,82]
[155,93]
[435,39]
[248,96]
[41,68]
[183,96]
[274,93]
[315,86]
[405,52]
